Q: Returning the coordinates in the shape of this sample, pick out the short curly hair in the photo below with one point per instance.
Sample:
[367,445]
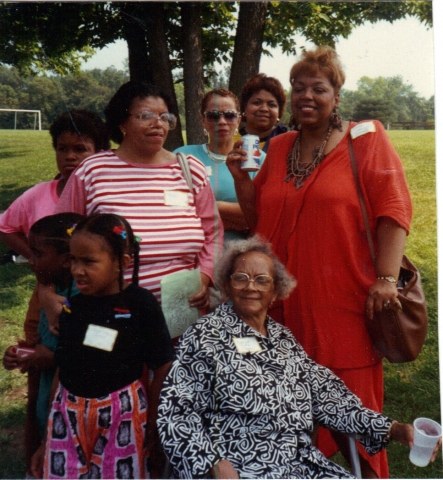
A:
[262,82]
[283,281]
[323,59]
[84,123]
[117,110]
[221,92]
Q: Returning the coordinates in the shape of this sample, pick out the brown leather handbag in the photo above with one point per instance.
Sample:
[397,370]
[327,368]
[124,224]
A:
[397,335]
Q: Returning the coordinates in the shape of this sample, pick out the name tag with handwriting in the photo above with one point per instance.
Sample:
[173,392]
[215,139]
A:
[102,338]
[176,199]
[247,345]
[362,129]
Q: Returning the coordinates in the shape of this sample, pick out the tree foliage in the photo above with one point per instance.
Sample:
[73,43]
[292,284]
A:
[323,23]
[387,99]
[42,37]
[52,95]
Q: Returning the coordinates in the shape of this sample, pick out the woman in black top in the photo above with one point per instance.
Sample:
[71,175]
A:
[262,103]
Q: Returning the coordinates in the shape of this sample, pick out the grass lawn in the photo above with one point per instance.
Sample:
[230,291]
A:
[412,390]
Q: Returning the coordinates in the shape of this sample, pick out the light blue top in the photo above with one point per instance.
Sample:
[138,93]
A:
[220,178]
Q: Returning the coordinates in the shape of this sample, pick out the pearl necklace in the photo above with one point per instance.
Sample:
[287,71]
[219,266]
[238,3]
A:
[295,170]
[215,157]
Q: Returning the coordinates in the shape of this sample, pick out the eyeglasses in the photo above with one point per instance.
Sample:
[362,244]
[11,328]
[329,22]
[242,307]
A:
[261,282]
[151,117]
[214,116]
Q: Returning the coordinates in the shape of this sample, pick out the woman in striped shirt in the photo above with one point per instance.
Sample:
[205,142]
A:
[179,229]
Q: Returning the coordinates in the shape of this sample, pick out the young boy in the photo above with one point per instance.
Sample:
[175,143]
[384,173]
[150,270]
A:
[76,135]
[48,240]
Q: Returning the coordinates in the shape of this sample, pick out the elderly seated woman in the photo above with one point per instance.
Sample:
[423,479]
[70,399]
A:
[242,396]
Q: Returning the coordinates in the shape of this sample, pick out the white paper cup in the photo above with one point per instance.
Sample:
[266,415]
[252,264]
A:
[426,435]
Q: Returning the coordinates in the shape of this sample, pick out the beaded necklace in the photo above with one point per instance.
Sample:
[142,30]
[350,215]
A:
[295,170]
[215,157]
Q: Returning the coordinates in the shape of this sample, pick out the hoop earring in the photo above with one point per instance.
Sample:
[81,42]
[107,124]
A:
[336,120]
[294,124]
[236,131]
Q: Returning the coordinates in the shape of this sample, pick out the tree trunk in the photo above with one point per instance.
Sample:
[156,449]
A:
[246,57]
[158,56]
[134,31]
[192,70]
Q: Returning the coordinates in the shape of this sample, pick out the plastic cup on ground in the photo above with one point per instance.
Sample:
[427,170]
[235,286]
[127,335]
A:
[426,435]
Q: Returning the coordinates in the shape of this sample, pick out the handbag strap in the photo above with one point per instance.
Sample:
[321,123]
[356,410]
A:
[364,210]
[184,165]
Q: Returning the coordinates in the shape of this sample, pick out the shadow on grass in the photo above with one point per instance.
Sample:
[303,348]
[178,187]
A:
[17,283]
[10,298]
[5,155]
[9,192]
[12,452]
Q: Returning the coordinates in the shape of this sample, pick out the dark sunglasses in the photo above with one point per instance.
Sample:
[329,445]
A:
[214,116]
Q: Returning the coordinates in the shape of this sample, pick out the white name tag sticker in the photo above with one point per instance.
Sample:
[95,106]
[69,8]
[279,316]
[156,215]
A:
[176,199]
[362,129]
[247,345]
[102,338]
[209,170]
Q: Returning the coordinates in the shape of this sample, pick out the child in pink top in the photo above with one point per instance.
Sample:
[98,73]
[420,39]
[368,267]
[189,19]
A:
[76,135]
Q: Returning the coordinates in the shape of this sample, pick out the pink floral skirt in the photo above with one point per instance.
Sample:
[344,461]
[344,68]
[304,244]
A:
[98,437]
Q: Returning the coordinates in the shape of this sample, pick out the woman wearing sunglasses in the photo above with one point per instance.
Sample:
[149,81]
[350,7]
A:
[144,183]
[220,116]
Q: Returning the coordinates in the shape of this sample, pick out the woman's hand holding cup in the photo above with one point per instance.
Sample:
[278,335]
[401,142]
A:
[234,160]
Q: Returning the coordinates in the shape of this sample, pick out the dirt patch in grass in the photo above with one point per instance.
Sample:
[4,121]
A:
[13,441]
[17,394]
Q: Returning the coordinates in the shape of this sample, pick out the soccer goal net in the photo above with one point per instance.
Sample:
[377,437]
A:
[28,119]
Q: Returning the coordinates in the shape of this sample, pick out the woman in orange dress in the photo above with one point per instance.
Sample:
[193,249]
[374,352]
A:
[304,201]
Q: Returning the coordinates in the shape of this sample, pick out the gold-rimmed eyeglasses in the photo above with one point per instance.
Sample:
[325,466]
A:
[148,117]
[261,282]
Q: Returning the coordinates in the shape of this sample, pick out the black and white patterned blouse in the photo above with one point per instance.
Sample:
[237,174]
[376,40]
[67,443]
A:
[256,410]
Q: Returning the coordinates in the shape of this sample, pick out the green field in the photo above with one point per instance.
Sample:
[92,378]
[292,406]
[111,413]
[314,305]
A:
[26,157]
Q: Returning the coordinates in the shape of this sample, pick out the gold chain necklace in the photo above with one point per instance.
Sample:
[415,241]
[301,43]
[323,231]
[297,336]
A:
[295,170]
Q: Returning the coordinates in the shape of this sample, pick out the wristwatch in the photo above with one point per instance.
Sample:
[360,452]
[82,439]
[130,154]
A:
[389,279]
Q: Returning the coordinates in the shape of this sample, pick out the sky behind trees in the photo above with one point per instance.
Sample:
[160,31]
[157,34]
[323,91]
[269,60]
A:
[403,48]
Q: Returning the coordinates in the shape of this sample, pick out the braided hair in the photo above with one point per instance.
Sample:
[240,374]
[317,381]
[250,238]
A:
[118,235]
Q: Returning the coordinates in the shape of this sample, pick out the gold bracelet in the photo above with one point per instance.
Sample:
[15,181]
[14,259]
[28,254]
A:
[389,434]
[388,278]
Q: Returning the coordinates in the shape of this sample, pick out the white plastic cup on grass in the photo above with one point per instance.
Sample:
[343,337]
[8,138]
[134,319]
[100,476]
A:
[426,435]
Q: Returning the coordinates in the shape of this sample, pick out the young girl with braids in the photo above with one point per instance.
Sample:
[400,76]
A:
[102,424]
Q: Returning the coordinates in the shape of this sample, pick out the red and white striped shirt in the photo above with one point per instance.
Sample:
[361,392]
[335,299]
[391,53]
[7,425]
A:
[173,237]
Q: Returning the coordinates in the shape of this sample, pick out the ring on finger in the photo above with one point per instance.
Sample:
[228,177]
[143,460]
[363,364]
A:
[387,305]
